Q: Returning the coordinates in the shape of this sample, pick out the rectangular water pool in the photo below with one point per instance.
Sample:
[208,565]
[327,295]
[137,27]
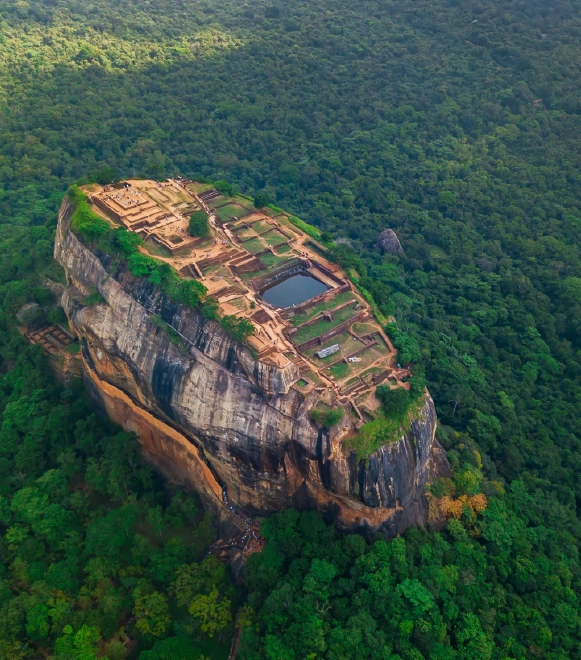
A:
[292,291]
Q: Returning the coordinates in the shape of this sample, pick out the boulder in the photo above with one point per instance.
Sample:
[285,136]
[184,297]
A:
[486,265]
[389,242]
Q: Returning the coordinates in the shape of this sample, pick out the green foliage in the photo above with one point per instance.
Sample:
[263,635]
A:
[58,316]
[399,407]
[238,328]
[191,293]
[141,265]
[326,237]
[379,292]
[464,592]
[447,199]
[86,222]
[407,347]
[127,242]
[81,645]
[225,187]
[94,298]
[151,612]
[172,648]
[105,175]
[395,402]
[418,383]
[199,225]
[213,612]
[311,231]
[261,200]
[378,432]
[334,416]
[210,308]
[327,417]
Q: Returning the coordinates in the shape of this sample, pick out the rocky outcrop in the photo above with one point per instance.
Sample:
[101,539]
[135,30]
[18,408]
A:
[486,265]
[213,418]
[389,242]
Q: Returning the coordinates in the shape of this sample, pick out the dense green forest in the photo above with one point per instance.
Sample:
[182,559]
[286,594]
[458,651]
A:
[456,124]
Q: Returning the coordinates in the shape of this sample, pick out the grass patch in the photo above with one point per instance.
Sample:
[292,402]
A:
[245,233]
[254,246]
[339,370]
[239,303]
[184,252]
[270,259]
[224,273]
[352,381]
[231,211]
[312,377]
[73,348]
[274,237]
[198,188]
[320,327]
[364,328]
[204,243]
[218,202]
[283,249]
[260,227]
[310,313]
[246,277]
[156,250]
[313,232]
[242,229]
[211,269]
[370,372]
[316,249]
[368,357]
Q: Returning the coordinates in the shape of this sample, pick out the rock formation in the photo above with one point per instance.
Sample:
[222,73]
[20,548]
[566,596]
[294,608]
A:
[486,265]
[213,418]
[389,242]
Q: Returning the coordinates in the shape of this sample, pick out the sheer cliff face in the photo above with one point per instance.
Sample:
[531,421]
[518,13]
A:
[211,417]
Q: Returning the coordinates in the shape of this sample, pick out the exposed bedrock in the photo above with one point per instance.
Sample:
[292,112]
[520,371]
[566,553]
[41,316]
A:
[211,416]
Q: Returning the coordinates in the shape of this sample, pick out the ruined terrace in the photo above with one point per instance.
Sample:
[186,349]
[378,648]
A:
[259,265]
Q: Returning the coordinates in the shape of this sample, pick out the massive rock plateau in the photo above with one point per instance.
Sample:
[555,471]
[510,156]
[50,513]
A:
[211,417]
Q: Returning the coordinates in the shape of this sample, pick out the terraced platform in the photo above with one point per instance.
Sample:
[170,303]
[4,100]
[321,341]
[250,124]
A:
[257,253]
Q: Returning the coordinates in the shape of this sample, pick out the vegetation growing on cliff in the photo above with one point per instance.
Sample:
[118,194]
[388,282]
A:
[391,423]
[399,408]
[84,221]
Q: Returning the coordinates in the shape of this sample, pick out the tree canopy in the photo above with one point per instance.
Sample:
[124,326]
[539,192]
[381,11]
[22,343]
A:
[199,225]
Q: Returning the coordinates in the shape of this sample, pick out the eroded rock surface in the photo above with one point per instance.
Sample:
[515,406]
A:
[389,242]
[213,418]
